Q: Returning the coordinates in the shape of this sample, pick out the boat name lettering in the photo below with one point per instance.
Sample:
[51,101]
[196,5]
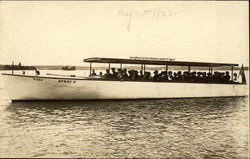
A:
[66,81]
[38,79]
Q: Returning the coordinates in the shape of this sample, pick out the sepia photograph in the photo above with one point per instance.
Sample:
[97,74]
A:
[124,79]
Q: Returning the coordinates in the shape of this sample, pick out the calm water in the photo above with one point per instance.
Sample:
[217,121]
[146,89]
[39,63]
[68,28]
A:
[170,128]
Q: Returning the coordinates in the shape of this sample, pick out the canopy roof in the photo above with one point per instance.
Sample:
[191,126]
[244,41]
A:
[155,62]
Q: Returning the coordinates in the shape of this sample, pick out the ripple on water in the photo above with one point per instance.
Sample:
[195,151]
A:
[188,128]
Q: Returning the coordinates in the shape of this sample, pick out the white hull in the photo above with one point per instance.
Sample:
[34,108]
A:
[46,88]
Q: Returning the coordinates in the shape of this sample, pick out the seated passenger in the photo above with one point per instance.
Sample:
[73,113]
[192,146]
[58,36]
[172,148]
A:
[193,77]
[165,76]
[199,77]
[174,76]
[139,76]
[209,77]
[136,75]
[130,74]
[170,75]
[227,77]
[156,76]
[221,77]
[93,73]
[133,74]
[179,76]
[107,74]
[114,73]
[216,77]
[125,74]
[235,78]
[101,75]
[141,73]
[204,77]
[147,76]
[184,76]
[120,74]
[37,71]
[161,76]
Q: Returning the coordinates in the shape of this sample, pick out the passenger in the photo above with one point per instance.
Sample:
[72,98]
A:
[130,72]
[37,71]
[193,77]
[162,76]
[147,76]
[107,74]
[199,77]
[174,76]
[118,70]
[170,75]
[185,76]
[235,78]
[209,77]
[120,74]
[227,77]
[165,76]
[222,75]
[114,74]
[23,72]
[101,75]
[213,77]
[204,77]
[125,74]
[156,76]
[136,75]
[133,74]
[141,73]
[93,73]
[216,77]
[140,76]
[179,76]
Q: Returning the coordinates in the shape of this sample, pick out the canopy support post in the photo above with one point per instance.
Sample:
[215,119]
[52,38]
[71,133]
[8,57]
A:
[189,69]
[90,68]
[144,67]
[121,66]
[109,67]
[166,68]
[211,70]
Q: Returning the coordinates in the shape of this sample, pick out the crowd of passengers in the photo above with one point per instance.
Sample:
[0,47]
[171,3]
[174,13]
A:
[134,75]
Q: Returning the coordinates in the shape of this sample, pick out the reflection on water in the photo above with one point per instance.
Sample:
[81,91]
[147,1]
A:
[188,128]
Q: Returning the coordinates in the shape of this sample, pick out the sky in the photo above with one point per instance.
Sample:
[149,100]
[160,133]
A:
[64,32]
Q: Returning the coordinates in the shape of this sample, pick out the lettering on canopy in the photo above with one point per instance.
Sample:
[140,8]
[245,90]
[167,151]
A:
[151,58]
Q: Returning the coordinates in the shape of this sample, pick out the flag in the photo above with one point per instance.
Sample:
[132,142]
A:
[242,73]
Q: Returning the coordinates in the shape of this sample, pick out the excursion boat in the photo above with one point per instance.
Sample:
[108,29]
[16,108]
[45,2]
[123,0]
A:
[59,87]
